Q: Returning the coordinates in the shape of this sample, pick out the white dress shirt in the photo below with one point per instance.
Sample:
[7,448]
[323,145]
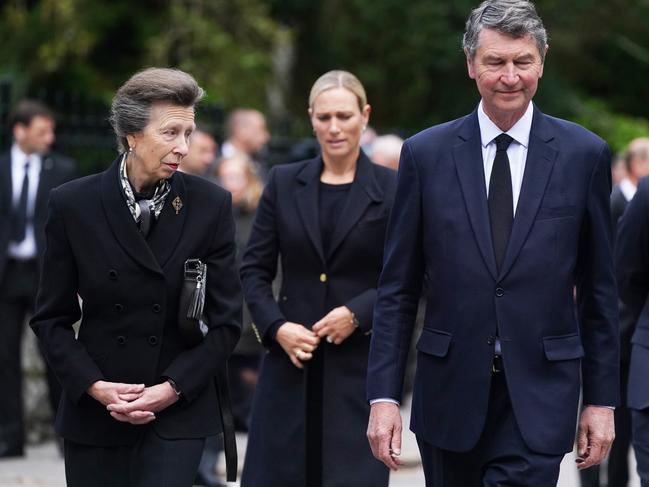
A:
[628,189]
[27,248]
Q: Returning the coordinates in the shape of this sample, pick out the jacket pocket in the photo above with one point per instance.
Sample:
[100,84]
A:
[434,342]
[549,212]
[382,219]
[563,347]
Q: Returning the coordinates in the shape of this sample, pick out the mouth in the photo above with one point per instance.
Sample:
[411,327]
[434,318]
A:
[173,166]
[336,142]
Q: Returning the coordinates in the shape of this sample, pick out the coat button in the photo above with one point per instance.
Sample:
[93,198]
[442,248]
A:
[323,277]
[156,308]
[118,307]
[500,292]
[153,340]
[112,275]
[121,340]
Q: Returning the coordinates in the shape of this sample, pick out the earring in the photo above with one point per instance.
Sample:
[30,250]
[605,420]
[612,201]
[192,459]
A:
[130,149]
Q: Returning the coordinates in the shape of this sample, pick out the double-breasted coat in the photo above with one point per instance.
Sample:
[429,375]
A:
[313,283]
[130,290]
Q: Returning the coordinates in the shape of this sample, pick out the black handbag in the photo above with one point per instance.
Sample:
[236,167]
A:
[193,328]
[191,324]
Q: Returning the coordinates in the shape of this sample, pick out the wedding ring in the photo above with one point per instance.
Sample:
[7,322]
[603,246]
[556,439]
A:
[299,354]
[329,339]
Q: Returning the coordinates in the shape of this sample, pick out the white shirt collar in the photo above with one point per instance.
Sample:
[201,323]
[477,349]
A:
[628,189]
[19,158]
[520,132]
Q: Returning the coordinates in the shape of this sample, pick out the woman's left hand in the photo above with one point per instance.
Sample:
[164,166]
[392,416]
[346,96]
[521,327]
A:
[153,399]
[336,325]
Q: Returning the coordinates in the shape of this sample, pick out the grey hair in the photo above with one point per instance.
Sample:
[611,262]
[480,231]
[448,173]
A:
[515,18]
[131,107]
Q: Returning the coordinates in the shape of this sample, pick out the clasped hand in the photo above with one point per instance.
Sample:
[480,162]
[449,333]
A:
[133,403]
[299,342]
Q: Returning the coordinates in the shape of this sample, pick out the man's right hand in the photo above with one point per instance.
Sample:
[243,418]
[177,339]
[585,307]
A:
[117,393]
[384,433]
[298,342]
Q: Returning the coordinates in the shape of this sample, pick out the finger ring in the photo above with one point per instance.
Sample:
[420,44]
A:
[330,340]
[299,354]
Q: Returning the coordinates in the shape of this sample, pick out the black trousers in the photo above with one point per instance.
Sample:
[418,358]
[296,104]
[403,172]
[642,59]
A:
[500,458]
[17,296]
[151,462]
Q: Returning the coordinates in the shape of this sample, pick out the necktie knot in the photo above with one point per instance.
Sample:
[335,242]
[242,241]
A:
[502,142]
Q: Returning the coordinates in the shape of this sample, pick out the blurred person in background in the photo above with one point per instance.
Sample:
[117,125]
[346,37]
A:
[139,398]
[238,175]
[202,153]
[28,172]
[325,219]
[632,259]
[386,150]
[618,169]
[247,134]
[636,162]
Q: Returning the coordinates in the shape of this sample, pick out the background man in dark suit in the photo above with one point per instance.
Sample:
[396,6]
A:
[501,214]
[632,256]
[636,161]
[28,171]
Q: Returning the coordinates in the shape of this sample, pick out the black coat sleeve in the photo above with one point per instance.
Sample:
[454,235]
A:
[57,309]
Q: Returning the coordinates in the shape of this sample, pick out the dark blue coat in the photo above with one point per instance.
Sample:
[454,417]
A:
[561,238]
[632,256]
[287,226]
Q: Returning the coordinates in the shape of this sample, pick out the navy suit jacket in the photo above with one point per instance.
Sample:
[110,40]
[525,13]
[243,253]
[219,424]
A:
[439,234]
[632,256]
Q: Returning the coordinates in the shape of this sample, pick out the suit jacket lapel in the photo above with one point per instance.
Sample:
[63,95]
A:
[121,221]
[306,200]
[46,182]
[168,229]
[6,186]
[363,192]
[538,167]
[470,170]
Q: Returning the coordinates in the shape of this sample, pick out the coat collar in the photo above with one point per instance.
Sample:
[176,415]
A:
[364,191]
[166,231]
[467,154]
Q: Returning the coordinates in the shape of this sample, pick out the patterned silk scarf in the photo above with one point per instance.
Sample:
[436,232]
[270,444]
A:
[155,204]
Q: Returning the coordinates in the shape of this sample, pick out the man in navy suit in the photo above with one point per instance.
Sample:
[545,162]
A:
[501,214]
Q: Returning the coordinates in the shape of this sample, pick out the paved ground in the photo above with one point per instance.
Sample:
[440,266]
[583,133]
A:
[43,468]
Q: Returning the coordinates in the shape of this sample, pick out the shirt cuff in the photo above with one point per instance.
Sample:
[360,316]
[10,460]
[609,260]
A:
[384,399]
[612,408]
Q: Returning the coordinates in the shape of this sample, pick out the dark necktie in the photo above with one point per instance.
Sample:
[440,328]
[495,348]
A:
[501,206]
[19,226]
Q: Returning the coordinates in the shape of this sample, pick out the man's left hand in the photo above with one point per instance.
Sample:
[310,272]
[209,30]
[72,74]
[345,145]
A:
[595,435]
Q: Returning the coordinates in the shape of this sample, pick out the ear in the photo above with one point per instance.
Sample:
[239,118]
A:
[19,130]
[131,139]
[544,58]
[367,109]
[470,64]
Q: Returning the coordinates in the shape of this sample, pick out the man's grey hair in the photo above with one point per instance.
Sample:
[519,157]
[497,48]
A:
[515,18]
[131,107]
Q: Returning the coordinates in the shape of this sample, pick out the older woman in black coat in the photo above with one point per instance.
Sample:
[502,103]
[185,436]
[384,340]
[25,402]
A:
[325,218]
[139,399]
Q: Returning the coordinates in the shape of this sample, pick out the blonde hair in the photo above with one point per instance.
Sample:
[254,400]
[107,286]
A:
[338,79]
[254,186]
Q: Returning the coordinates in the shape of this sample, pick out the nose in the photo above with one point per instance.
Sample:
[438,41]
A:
[333,126]
[510,74]
[182,148]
